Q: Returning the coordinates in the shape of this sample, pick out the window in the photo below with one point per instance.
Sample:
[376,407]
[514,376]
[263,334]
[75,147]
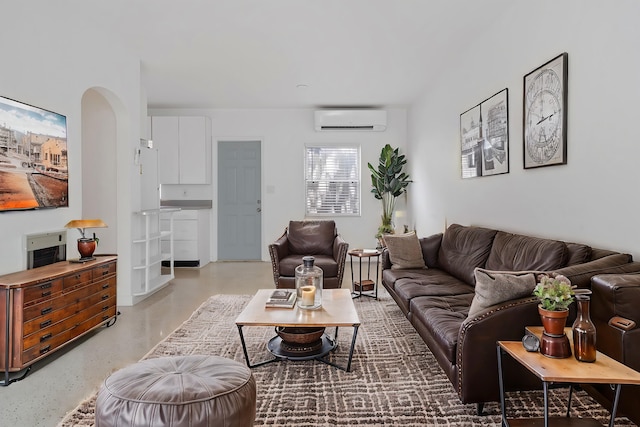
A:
[332,180]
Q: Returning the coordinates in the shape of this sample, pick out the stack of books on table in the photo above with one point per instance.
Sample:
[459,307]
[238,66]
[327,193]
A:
[282,298]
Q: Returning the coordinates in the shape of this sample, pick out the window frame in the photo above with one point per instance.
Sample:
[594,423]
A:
[358,180]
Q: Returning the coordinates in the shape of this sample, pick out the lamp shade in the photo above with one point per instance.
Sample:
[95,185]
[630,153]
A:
[86,223]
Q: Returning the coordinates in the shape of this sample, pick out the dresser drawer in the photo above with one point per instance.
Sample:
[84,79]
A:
[77,279]
[42,291]
[76,301]
[77,329]
[104,270]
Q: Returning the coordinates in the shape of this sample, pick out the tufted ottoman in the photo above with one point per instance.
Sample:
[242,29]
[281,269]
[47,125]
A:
[178,391]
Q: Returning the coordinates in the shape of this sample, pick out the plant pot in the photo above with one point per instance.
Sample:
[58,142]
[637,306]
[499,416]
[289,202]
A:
[86,247]
[554,342]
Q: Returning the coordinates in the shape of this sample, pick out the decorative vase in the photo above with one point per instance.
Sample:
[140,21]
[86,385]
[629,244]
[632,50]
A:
[584,332]
[554,342]
[309,284]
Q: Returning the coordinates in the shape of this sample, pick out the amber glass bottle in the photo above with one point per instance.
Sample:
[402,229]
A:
[584,332]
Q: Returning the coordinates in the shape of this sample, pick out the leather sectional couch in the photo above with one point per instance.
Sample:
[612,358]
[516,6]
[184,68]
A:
[436,299]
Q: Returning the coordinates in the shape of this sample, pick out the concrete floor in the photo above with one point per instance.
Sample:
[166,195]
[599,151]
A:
[58,383]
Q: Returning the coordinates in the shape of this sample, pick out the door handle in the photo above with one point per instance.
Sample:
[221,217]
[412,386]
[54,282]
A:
[258,209]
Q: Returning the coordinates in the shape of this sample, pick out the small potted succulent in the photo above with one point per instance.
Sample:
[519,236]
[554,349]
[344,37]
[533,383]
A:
[554,291]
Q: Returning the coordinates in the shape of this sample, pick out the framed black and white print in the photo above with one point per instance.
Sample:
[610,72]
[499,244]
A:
[494,113]
[470,143]
[544,120]
[484,137]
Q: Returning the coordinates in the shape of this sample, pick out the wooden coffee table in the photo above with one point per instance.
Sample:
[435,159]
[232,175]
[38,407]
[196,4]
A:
[337,310]
[604,370]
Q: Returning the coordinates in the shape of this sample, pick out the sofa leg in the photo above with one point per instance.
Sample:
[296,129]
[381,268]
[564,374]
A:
[479,409]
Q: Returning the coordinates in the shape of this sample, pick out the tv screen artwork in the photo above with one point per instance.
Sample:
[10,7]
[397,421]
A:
[33,157]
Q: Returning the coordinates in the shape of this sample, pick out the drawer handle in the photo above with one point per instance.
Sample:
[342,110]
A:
[104,297]
[105,318]
[46,294]
[105,271]
[45,349]
[45,323]
[105,308]
[78,276]
[45,286]
[105,286]
[46,310]
[45,337]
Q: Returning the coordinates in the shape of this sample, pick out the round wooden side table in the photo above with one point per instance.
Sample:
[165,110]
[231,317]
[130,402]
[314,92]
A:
[365,287]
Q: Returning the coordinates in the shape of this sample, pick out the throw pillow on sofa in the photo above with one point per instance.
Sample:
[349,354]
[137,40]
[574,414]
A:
[404,251]
[494,287]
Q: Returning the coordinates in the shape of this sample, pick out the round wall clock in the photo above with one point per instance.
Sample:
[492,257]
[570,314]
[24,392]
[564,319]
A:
[545,114]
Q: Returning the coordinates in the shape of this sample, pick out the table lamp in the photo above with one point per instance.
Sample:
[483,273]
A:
[86,245]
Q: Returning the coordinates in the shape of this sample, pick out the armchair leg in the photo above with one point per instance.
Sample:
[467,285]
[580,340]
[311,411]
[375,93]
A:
[479,409]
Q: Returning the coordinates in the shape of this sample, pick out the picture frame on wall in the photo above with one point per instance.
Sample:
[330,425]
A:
[544,116]
[484,137]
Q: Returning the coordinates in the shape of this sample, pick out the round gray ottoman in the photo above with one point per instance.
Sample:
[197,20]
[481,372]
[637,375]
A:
[178,391]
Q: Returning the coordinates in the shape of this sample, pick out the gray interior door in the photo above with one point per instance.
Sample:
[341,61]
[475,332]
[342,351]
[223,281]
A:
[239,201]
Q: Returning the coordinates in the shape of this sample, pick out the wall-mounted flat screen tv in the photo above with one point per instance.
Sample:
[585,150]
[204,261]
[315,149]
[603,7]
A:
[33,157]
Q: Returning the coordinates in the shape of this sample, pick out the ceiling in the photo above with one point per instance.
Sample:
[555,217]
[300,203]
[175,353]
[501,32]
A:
[290,53]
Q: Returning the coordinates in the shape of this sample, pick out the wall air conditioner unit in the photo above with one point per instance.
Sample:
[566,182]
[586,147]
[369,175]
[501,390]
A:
[364,120]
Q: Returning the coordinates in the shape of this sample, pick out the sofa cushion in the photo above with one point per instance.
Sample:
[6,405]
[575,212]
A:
[430,247]
[435,283]
[328,265]
[515,252]
[578,253]
[404,251]
[463,249]
[442,317]
[311,237]
[494,287]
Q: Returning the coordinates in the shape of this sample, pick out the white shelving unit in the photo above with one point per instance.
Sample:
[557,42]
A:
[147,268]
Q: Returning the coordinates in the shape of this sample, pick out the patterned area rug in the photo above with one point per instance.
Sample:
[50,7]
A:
[394,380]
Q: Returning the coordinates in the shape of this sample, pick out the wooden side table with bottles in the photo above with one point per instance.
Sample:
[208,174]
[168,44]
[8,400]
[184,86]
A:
[604,370]
[365,287]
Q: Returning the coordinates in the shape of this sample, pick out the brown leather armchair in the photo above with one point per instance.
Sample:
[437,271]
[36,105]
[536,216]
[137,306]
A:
[319,239]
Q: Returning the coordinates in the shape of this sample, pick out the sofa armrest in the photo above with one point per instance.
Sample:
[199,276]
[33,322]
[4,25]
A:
[477,359]
[278,250]
[617,295]
[340,249]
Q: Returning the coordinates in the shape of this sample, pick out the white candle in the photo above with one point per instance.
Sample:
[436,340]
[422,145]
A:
[308,295]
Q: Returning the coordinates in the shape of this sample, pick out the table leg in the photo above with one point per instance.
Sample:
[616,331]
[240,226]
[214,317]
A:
[353,344]
[545,386]
[505,423]
[246,353]
[614,408]
[569,403]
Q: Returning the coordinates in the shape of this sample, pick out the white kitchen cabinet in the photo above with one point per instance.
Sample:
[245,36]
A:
[191,237]
[182,149]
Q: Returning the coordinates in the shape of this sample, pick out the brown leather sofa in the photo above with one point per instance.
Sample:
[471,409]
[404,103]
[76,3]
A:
[618,295]
[319,239]
[436,300]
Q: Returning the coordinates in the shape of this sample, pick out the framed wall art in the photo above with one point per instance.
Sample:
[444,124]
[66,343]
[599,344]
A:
[544,117]
[484,137]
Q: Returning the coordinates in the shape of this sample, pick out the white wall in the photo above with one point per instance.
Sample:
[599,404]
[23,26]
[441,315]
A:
[51,59]
[594,198]
[284,133]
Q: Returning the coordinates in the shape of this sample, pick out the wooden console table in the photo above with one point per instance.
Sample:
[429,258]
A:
[45,308]
[604,370]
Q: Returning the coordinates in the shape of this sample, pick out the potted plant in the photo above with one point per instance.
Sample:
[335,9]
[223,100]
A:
[388,182]
[555,294]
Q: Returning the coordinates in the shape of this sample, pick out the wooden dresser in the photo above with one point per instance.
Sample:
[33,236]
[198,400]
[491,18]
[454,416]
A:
[45,308]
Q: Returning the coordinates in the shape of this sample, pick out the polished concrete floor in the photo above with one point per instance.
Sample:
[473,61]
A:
[57,384]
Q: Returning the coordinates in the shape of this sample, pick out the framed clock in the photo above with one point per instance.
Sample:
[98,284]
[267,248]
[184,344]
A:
[544,120]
